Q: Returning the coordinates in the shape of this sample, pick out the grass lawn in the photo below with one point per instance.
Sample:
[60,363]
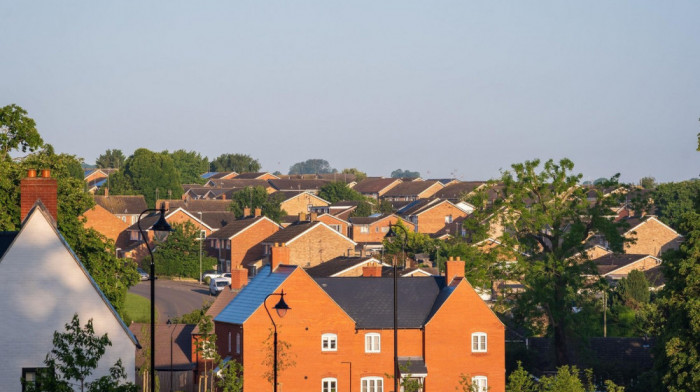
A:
[138,308]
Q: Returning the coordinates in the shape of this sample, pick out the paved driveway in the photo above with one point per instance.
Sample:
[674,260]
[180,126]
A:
[174,298]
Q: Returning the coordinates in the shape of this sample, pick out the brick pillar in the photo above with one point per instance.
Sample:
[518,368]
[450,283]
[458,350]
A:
[239,278]
[280,255]
[454,268]
[33,189]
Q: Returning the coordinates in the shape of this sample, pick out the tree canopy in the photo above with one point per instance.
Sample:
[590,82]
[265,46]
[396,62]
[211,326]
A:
[178,254]
[190,165]
[675,199]
[17,131]
[359,175]
[336,191]
[111,159]
[312,166]
[239,163]
[150,174]
[399,173]
[547,217]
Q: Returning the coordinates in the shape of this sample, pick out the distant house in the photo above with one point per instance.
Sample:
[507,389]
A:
[617,266]
[456,192]
[107,224]
[336,223]
[55,287]
[373,229]
[312,186]
[343,266]
[651,237]
[308,243]
[296,202]
[413,190]
[235,184]
[375,187]
[125,207]
[431,215]
[257,176]
[238,243]
[219,175]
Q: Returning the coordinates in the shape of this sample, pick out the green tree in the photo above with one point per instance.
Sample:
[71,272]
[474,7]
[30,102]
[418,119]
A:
[17,131]
[178,254]
[520,381]
[647,182]
[150,173]
[257,197]
[674,199]
[72,360]
[239,163]
[193,317]
[312,166]
[231,377]
[634,289]
[548,218]
[364,208]
[399,173]
[385,207]
[678,356]
[359,175]
[111,159]
[190,165]
[336,191]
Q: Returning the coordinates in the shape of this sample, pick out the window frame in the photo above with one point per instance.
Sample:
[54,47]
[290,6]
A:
[477,385]
[377,387]
[482,340]
[369,338]
[325,388]
[330,338]
[238,342]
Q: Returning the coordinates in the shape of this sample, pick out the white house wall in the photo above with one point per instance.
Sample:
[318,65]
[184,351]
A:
[41,288]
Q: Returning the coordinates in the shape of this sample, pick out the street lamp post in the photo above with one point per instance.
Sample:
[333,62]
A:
[390,235]
[201,238]
[162,226]
[281,309]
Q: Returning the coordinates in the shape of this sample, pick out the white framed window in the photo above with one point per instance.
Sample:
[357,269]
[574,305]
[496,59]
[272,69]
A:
[479,342]
[364,229]
[372,343]
[480,384]
[372,384]
[448,218]
[337,228]
[238,343]
[329,384]
[329,342]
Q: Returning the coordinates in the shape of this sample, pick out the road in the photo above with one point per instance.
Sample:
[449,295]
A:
[174,298]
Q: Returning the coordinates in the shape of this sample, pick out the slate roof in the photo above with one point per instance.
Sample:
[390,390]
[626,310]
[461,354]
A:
[456,191]
[290,232]
[215,219]
[418,206]
[412,365]
[251,176]
[369,301]
[373,184]
[335,265]
[300,185]
[238,183]
[181,345]
[219,175]
[367,220]
[146,222]
[412,188]
[122,204]
[613,261]
[6,238]
[234,228]
[199,205]
[251,297]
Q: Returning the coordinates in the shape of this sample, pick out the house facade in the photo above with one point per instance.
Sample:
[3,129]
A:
[444,334]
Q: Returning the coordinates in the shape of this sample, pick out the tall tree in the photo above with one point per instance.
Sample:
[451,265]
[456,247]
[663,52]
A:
[239,163]
[257,197]
[674,199]
[548,218]
[178,254]
[399,173]
[111,159]
[312,166]
[678,356]
[17,131]
[152,173]
[190,165]
[359,175]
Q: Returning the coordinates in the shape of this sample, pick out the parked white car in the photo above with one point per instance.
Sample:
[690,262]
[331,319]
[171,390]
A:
[218,284]
[211,274]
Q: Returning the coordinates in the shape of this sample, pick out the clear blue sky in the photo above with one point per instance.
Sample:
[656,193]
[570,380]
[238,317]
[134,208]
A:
[446,88]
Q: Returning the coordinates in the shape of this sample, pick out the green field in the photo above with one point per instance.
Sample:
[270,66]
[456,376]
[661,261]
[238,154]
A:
[138,308]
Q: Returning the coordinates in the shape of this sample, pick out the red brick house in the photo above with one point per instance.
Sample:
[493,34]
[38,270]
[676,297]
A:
[340,225]
[431,215]
[107,224]
[372,229]
[617,266]
[238,243]
[413,190]
[339,332]
[376,187]
[296,202]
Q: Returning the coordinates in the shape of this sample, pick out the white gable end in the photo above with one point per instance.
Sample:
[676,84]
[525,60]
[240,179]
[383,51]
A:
[41,287]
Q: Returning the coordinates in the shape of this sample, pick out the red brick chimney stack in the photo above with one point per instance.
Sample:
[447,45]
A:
[454,269]
[246,212]
[258,212]
[279,255]
[239,278]
[33,189]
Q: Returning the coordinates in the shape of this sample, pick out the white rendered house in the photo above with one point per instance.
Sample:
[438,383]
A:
[42,285]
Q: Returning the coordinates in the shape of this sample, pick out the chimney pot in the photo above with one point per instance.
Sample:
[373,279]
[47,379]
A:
[31,173]
[46,173]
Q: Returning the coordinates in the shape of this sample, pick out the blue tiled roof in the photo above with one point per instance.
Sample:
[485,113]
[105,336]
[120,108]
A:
[208,174]
[253,295]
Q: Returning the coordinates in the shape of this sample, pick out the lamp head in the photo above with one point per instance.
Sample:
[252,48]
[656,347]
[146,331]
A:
[162,224]
[391,234]
[281,306]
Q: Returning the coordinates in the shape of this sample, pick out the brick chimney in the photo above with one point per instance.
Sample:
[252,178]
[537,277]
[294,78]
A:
[246,212]
[454,269]
[258,212]
[373,270]
[33,189]
[239,278]
[279,255]
[313,217]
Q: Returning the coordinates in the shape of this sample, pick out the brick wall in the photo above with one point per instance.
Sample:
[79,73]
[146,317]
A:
[301,204]
[246,246]
[318,245]
[331,220]
[33,189]
[432,220]
[652,238]
[107,224]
